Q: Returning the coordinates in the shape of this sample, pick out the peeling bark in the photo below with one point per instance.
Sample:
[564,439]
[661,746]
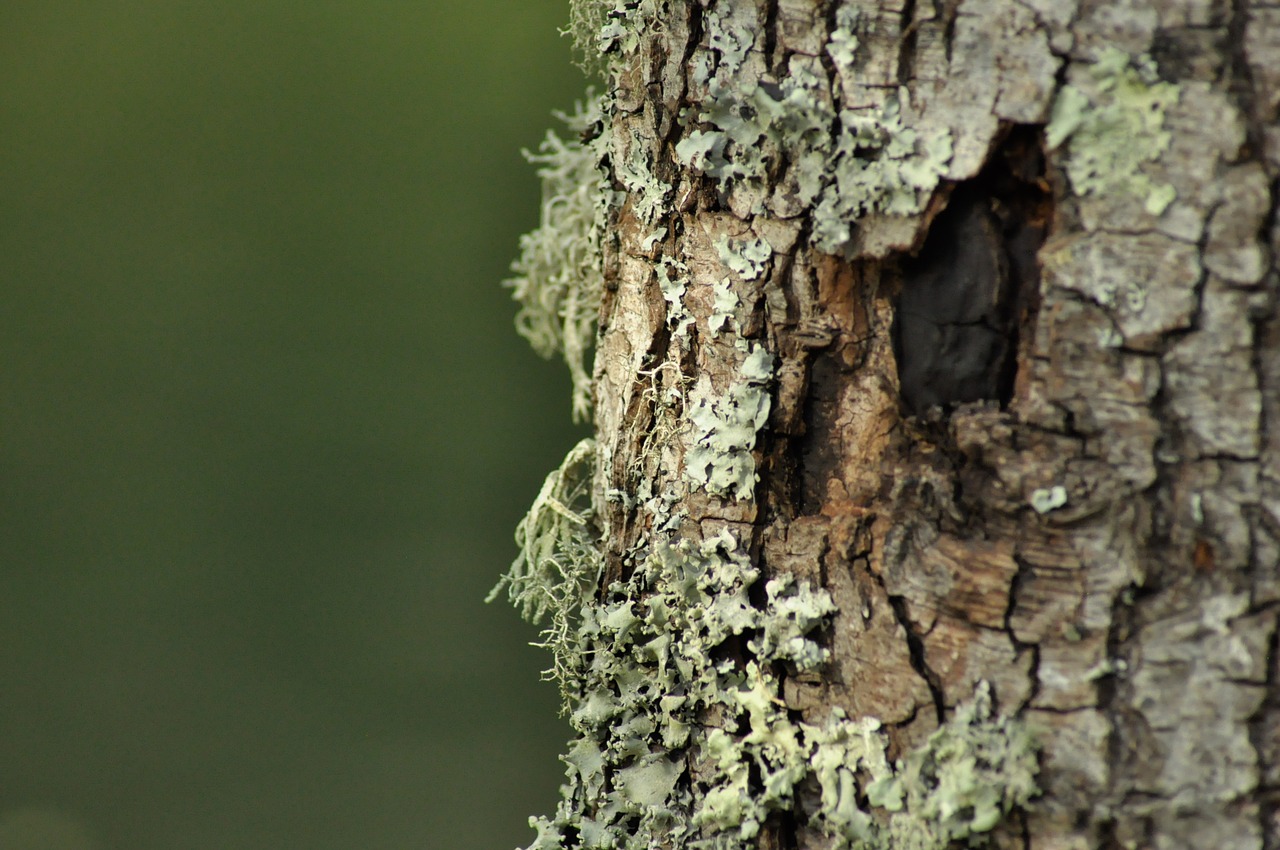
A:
[1024,434]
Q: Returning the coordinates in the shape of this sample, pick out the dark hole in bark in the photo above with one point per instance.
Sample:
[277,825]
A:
[971,288]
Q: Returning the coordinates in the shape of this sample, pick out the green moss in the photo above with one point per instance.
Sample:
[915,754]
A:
[1113,119]
[558,278]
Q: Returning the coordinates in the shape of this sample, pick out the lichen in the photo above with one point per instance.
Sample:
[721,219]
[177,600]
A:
[872,162]
[671,671]
[747,257]
[681,740]
[558,278]
[558,562]
[1113,119]
[1044,499]
[604,32]
[725,425]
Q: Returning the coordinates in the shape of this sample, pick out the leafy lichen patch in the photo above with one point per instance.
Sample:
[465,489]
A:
[872,162]
[724,426]
[1113,116]
[675,748]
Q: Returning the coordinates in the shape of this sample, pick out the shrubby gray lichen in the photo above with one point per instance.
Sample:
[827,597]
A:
[559,561]
[558,274]
[1113,118]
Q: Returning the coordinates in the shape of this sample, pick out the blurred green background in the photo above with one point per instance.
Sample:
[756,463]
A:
[265,427]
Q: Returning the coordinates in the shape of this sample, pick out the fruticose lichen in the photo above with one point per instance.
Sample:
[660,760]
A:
[558,275]
[559,561]
[1113,119]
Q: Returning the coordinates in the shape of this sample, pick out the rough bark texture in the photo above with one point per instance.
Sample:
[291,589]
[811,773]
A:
[1019,417]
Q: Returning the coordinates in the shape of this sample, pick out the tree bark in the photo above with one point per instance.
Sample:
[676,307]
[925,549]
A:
[935,403]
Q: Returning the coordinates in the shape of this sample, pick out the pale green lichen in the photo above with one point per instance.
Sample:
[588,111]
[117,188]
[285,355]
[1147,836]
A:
[843,44]
[558,561]
[725,426]
[971,772]
[1113,119]
[872,162]
[558,278]
[747,257]
[680,746]
[606,31]
[1044,500]
[648,193]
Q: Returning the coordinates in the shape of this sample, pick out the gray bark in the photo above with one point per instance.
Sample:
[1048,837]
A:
[1018,418]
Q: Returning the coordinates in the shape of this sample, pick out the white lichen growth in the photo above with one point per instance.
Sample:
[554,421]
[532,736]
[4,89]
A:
[872,162]
[1048,499]
[724,428]
[558,278]
[1113,119]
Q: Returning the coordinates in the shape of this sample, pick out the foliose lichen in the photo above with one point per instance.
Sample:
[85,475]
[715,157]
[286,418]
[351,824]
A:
[1113,119]
[872,162]
[725,426]
[559,278]
[679,745]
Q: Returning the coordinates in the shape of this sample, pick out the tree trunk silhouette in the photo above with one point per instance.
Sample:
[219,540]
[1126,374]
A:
[938,355]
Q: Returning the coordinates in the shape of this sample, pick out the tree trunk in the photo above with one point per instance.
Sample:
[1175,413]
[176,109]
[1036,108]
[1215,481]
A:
[935,490]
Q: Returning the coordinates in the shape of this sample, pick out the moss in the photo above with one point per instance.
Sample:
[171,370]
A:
[1113,119]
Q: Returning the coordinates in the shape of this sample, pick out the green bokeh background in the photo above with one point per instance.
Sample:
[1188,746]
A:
[265,427]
